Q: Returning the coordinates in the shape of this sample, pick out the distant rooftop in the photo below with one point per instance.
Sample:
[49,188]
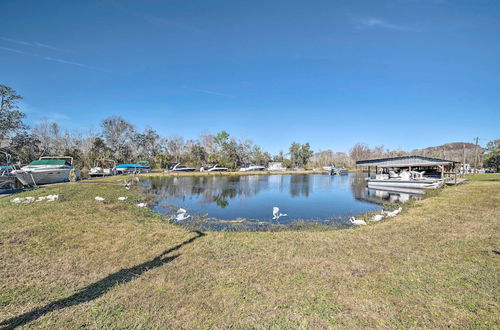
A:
[405,161]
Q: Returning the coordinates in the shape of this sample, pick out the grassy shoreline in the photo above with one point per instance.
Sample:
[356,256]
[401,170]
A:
[81,263]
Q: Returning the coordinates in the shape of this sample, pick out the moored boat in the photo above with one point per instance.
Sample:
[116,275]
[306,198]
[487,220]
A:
[407,179]
[276,167]
[7,179]
[249,167]
[217,168]
[46,170]
[99,168]
[132,168]
[180,168]
[395,183]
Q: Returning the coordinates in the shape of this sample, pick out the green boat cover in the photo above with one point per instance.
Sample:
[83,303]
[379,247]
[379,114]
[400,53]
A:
[49,162]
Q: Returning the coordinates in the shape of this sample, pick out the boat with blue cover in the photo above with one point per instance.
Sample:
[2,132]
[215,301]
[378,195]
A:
[139,167]
[7,179]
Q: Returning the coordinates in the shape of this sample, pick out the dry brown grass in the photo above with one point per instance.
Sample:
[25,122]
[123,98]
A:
[80,263]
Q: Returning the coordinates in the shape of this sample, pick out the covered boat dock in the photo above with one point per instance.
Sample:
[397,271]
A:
[433,167]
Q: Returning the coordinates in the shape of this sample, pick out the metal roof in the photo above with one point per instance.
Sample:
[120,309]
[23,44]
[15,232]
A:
[404,161]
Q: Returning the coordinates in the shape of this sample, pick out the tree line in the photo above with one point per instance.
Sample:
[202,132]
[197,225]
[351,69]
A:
[121,141]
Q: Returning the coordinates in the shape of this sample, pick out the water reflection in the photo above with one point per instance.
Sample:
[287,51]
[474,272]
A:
[392,195]
[252,197]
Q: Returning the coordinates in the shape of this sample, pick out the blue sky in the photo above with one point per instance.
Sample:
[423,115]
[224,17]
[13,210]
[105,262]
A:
[402,73]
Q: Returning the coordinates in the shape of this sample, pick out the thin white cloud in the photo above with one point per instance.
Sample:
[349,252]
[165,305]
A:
[31,44]
[156,20]
[375,22]
[206,91]
[160,21]
[52,59]
[36,115]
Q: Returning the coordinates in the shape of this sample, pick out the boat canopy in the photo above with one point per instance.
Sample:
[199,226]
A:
[131,166]
[405,161]
[50,162]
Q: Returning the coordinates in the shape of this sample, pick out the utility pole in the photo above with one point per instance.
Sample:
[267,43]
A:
[475,158]
[463,161]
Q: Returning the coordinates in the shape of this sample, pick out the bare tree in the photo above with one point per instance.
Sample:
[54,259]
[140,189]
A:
[175,145]
[360,151]
[118,135]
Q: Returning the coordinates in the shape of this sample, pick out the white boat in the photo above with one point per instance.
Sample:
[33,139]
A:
[46,170]
[180,168]
[249,167]
[140,167]
[100,170]
[217,168]
[421,184]
[333,170]
[276,167]
[406,179]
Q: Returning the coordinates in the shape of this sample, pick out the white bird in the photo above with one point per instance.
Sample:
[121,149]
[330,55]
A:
[277,214]
[41,198]
[181,215]
[141,204]
[377,217]
[122,198]
[29,199]
[127,184]
[51,198]
[99,198]
[356,222]
[17,200]
[393,213]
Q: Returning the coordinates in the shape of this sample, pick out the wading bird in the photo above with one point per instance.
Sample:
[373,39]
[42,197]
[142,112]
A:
[99,198]
[181,215]
[276,214]
[357,222]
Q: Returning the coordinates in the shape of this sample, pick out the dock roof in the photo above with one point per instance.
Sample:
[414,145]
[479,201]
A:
[405,161]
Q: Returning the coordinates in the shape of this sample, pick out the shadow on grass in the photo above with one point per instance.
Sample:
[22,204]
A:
[97,289]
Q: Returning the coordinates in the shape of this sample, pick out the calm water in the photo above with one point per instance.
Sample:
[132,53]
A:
[252,197]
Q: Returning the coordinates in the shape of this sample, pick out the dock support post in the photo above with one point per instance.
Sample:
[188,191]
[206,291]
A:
[368,171]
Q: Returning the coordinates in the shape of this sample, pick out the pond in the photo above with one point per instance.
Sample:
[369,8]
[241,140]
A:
[220,199]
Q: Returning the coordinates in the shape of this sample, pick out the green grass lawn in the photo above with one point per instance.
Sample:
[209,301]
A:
[82,263]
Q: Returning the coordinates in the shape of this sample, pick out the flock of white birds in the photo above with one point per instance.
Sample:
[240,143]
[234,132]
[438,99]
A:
[183,215]
[377,217]
[48,198]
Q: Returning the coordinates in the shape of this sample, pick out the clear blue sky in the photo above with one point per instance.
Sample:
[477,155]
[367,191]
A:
[403,73]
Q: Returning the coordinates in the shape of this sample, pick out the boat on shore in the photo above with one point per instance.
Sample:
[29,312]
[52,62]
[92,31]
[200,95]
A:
[100,170]
[7,179]
[132,168]
[249,167]
[217,168]
[177,168]
[46,170]
[276,167]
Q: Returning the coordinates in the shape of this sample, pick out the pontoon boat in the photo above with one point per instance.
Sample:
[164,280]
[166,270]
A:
[100,170]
